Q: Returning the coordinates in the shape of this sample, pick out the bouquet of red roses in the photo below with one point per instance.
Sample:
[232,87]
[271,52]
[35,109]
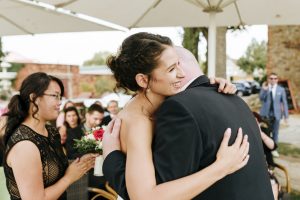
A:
[91,142]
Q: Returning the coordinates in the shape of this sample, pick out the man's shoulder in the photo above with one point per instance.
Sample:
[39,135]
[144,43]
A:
[280,87]
[196,97]
[189,97]
[107,117]
[194,93]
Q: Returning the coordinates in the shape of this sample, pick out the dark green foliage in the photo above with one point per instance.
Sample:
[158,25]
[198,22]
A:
[98,59]
[87,146]
[254,58]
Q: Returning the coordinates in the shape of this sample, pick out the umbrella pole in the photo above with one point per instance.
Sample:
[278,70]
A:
[212,45]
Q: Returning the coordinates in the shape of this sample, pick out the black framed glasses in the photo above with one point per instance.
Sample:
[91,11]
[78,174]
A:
[56,96]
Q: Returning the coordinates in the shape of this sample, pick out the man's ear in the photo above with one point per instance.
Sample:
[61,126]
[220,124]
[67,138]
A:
[142,80]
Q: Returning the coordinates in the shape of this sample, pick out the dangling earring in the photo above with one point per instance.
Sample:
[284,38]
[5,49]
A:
[148,90]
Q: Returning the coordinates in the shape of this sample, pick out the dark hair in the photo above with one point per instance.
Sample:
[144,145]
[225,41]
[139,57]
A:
[70,109]
[95,107]
[257,116]
[139,53]
[18,107]
[65,106]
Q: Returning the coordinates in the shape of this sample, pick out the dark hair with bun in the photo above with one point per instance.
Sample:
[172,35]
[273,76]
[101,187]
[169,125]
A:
[139,53]
[18,107]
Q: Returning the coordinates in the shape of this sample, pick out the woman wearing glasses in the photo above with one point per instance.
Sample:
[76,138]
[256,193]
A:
[34,163]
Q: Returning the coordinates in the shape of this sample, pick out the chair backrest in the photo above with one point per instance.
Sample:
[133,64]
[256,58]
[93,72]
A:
[287,177]
[101,193]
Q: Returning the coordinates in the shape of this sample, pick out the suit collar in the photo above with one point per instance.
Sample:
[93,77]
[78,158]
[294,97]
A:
[201,80]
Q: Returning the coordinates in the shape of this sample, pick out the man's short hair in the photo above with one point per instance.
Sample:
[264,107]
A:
[112,101]
[273,74]
[95,107]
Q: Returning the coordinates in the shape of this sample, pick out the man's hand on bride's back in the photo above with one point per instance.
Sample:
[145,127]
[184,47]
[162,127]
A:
[234,157]
[225,86]
[111,137]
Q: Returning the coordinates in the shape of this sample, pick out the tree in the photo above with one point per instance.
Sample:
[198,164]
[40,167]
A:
[191,38]
[98,59]
[254,58]
[105,84]
[1,52]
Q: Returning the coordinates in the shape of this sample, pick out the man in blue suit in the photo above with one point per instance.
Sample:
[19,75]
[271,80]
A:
[274,103]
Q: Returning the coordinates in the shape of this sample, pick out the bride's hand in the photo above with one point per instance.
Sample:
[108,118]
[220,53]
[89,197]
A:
[225,86]
[234,157]
[111,137]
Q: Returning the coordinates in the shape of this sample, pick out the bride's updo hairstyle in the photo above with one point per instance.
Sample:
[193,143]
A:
[139,53]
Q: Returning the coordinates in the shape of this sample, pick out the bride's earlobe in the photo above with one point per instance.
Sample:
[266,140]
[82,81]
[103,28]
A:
[142,80]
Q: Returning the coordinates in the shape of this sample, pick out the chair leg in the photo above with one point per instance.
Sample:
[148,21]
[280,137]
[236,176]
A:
[112,191]
[100,192]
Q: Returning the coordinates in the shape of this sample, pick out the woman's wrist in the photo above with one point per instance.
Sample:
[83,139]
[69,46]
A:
[220,169]
[66,180]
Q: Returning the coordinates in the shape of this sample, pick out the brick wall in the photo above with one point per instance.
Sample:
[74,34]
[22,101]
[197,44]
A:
[71,80]
[284,55]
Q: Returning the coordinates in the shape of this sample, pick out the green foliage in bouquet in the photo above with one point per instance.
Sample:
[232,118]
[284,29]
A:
[91,142]
[86,145]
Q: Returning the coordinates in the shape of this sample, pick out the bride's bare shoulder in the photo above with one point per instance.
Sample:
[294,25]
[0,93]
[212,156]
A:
[134,118]
[134,121]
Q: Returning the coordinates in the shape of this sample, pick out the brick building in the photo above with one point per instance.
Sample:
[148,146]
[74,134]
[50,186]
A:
[71,76]
[284,55]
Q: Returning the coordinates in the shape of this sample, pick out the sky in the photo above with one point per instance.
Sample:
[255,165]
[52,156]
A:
[75,48]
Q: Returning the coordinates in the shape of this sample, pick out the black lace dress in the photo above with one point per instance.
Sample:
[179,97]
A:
[54,161]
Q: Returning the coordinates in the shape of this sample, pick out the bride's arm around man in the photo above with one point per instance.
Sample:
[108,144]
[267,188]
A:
[189,128]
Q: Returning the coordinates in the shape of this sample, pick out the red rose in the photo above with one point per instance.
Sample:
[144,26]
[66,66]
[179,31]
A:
[98,134]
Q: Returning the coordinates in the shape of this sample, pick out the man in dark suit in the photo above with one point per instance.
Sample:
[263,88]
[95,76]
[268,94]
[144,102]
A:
[189,128]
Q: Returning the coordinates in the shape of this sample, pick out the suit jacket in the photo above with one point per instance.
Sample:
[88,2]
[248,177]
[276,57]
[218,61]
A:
[189,128]
[106,120]
[279,103]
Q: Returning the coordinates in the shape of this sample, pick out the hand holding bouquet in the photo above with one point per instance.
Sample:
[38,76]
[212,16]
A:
[92,143]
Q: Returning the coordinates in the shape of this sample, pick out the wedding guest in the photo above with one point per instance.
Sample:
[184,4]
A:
[78,190]
[63,137]
[61,117]
[74,131]
[34,163]
[274,105]
[269,145]
[113,109]
[93,117]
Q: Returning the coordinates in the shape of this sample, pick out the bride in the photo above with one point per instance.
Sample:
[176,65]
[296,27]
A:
[149,65]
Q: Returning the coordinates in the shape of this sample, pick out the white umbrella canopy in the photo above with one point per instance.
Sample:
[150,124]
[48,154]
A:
[188,13]
[18,18]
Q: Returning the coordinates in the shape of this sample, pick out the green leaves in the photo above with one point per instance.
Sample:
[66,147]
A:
[254,58]
[87,146]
